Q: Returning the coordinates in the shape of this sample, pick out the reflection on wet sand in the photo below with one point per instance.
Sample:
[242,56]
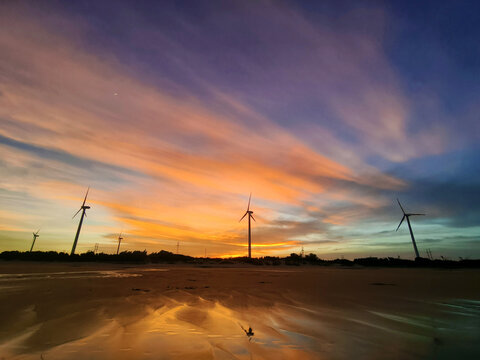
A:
[228,322]
[208,330]
[203,330]
[71,275]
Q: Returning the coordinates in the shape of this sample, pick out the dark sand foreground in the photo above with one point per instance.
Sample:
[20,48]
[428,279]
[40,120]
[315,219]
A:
[92,311]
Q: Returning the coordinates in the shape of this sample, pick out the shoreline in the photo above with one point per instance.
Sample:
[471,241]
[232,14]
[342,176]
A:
[67,310]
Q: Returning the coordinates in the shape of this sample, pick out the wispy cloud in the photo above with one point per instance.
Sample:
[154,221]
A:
[174,126]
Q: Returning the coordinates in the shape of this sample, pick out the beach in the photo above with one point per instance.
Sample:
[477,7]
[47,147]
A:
[109,311]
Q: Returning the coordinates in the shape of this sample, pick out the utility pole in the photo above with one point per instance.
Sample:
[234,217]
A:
[429,254]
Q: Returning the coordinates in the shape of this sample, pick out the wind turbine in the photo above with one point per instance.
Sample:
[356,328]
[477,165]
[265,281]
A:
[120,238]
[35,235]
[250,216]
[83,208]
[407,215]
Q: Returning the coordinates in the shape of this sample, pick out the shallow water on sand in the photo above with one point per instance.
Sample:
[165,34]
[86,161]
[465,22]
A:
[208,330]
[71,275]
[194,313]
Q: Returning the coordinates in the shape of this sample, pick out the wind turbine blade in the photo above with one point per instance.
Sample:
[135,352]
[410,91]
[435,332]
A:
[403,218]
[250,198]
[243,216]
[253,217]
[401,207]
[77,213]
[417,214]
[84,200]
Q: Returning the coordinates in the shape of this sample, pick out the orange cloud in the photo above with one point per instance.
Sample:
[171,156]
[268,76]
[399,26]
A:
[168,166]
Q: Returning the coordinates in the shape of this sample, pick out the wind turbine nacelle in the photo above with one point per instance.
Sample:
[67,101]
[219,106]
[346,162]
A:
[86,207]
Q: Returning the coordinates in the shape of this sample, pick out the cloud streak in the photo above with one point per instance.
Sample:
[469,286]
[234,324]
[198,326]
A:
[173,138]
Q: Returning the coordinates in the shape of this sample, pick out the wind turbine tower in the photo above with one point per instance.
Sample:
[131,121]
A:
[407,216]
[35,236]
[83,208]
[250,216]
[120,238]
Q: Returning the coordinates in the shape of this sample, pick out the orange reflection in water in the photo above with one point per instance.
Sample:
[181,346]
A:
[205,330]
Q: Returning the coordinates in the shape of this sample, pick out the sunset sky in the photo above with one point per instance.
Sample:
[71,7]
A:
[173,112]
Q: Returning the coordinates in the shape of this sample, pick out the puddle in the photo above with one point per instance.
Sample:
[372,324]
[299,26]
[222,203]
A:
[462,307]
[180,331]
[203,329]
[69,275]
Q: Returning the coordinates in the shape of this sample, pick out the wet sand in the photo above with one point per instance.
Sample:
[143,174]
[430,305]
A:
[102,311]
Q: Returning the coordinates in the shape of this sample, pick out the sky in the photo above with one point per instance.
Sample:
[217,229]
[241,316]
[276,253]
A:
[173,112]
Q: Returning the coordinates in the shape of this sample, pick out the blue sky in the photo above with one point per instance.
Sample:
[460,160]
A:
[173,112]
